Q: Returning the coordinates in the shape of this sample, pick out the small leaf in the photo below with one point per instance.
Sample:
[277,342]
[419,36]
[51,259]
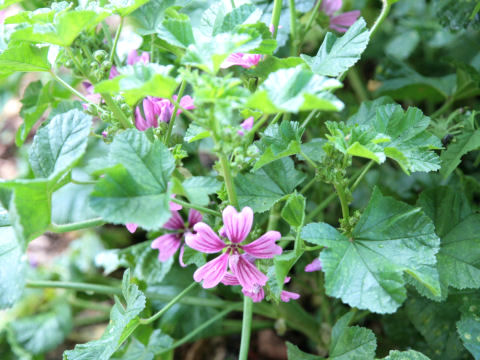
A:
[462,144]
[263,188]
[295,90]
[125,7]
[279,141]
[60,144]
[197,188]
[123,321]
[294,353]
[390,238]
[157,343]
[25,57]
[336,56]
[294,210]
[405,355]
[177,31]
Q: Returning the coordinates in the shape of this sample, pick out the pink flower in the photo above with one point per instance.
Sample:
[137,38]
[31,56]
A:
[341,22]
[131,227]
[134,58]
[315,265]
[159,109]
[237,226]
[244,60]
[168,244]
[246,125]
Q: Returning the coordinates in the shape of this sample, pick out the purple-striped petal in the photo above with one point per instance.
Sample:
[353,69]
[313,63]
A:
[194,217]
[205,240]
[167,245]
[175,222]
[230,279]
[247,274]
[140,122]
[113,72]
[256,295]
[286,296]
[180,257]
[244,60]
[174,206]
[134,58]
[330,7]
[264,247]
[131,227]
[150,109]
[237,225]
[342,22]
[315,265]
[212,272]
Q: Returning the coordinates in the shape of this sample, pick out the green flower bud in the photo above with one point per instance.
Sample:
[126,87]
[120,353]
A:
[106,65]
[100,55]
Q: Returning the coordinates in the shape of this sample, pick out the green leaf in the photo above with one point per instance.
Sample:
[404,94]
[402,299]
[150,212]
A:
[140,80]
[294,353]
[462,144]
[60,144]
[402,45]
[294,90]
[195,133]
[40,333]
[12,268]
[149,16]
[390,238]
[157,343]
[336,56]
[197,188]
[351,343]
[123,321]
[294,210]
[62,29]
[124,7]
[263,188]
[402,136]
[457,226]
[36,100]
[135,191]
[282,264]
[279,141]
[271,64]
[25,57]
[177,31]
[7,3]
[468,328]
[405,355]
[140,258]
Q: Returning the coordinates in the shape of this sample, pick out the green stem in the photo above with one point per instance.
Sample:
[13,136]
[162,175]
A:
[83,182]
[174,114]
[446,105]
[91,305]
[199,329]
[62,228]
[77,63]
[343,201]
[119,114]
[168,306]
[115,42]
[313,248]
[308,185]
[185,112]
[309,118]
[277,10]
[232,196]
[381,18]
[308,160]
[320,207]
[196,207]
[70,88]
[246,328]
[357,85]
[262,121]
[362,174]
[233,3]
[293,27]
[313,15]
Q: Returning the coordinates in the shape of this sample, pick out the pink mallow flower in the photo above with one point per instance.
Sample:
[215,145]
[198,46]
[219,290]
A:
[244,60]
[340,22]
[315,265]
[168,244]
[159,110]
[132,58]
[258,294]
[246,125]
[132,227]
[237,226]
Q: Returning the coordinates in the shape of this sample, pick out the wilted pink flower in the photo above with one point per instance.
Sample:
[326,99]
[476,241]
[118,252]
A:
[159,109]
[132,227]
[244,60]
[237,226]
[168,244]
[341,22]
[246,125]
[315,265]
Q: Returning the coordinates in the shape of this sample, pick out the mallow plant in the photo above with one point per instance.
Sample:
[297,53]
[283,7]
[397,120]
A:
[226,167]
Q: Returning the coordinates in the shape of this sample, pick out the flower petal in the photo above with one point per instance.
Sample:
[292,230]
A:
[175,222]
[167,245]
[194,217]
[286,296]
[342,22]
[131,227]
[180,257]
[247,274]
[315,265]
[264,247]
[151,110]
[237,225]
[230,279]
[257,295]
[212,272]
[174,206]
[205,240]
[330,7]
[140,122]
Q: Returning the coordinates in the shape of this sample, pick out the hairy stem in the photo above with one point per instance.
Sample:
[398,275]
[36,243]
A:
[119,114]
[70,88]
[313,15]
[381,18]
[174,114]
[115,41]
[62,228]
[277,10]
[246,328]
[196,207]
[343,201]
[232,195]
